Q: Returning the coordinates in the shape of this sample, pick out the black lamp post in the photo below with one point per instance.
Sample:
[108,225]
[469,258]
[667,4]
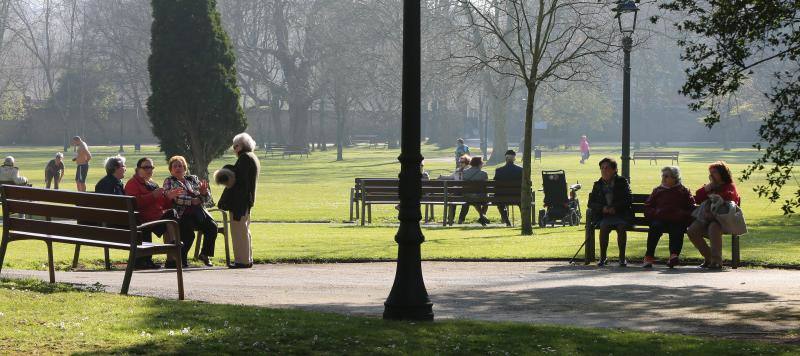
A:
[626,14]
[408,299]
[121,123]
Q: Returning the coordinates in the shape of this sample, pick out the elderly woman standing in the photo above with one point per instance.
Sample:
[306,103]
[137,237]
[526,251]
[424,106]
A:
[190,211]
[239,196]
[669,209]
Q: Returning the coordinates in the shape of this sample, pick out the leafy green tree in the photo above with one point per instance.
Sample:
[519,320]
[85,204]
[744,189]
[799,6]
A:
[194,105]
[728,42]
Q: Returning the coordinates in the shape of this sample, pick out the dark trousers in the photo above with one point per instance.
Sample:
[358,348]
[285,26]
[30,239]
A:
[194,221]
[503,209]
[159,230]
[481,208]
[622,240]
[50,178]
[658,228]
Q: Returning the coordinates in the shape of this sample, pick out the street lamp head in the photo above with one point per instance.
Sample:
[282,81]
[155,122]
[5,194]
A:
[626,14]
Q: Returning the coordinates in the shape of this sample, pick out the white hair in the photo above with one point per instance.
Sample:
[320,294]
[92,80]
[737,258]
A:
[114,162]
[59,155]
[245,141]
[673,171]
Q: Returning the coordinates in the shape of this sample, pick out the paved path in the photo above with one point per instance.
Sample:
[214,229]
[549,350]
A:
[731,302]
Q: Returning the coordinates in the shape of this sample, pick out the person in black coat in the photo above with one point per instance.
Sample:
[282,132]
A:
[610,204]
[510,172]
[239,196]
[112,182]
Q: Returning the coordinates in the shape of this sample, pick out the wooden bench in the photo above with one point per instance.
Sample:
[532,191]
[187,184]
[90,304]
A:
[642,224]
[299,150]
[654,156]
[274,149]
[114,210]
[371,191]
[369,140]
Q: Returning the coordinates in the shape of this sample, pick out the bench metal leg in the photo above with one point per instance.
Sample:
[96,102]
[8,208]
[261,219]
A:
[735,252]
[363,212]
[369,212]
[225,233]
[50,266]
[126,282]
[351,204]
[179,271]
[76,256]
[198,240]
[589,241]
[108,258]
[3,247]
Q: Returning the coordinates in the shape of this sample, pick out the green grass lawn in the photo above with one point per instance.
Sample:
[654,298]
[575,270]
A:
[317,189]
[37,317]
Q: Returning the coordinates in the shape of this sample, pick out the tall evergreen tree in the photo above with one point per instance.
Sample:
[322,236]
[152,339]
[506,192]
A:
[194,105]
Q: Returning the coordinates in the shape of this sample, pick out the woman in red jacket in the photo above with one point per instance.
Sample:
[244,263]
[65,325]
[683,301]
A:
[720,183]
[669,209]
[153,203]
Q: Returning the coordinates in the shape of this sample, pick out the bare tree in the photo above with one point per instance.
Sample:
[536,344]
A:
[540,43]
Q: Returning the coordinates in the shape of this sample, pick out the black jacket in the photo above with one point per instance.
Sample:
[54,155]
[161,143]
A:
[239,198]
[109,185]
[508,172]
[622,200]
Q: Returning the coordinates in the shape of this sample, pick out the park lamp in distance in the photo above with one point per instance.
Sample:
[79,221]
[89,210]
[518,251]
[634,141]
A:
[626,14]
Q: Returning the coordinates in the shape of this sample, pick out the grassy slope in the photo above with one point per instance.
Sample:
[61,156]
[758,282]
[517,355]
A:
[41,318]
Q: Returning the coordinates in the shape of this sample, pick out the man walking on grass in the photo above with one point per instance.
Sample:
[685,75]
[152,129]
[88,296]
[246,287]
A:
[81,159]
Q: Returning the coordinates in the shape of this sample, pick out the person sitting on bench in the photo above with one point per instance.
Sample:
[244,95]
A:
[474,173]
[154,203]
[510,172]
[720,183]
[190,210]
[610,202]
[669,209]
[9,173]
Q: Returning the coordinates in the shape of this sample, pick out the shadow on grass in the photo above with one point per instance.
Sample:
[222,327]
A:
[196,328]
[39,286]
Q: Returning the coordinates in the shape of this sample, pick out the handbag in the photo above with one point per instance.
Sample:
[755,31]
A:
[731,219]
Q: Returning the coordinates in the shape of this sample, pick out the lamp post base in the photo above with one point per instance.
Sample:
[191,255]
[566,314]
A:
[422,312]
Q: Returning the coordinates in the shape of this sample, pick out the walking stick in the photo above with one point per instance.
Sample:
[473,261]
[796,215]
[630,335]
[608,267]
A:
[577,252]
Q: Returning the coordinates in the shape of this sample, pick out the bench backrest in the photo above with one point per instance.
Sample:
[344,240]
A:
[388,190]
[637,206]
[646,154]
[114,215]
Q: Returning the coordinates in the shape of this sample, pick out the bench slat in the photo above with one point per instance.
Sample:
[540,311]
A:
[87,232]
[118,217]
[95,200]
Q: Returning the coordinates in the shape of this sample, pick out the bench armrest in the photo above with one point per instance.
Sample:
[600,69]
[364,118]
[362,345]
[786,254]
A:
[224,213]
[172,229]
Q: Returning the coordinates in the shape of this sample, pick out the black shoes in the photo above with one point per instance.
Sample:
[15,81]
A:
[603,262]
[237,265]
[205,260]
[146,264]
[171,264]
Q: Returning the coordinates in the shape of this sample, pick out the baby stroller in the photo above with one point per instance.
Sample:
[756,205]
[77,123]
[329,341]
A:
[558,207]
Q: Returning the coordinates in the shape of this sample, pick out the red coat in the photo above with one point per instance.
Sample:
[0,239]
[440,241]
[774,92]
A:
[150,208]
[727,191]
[670,204]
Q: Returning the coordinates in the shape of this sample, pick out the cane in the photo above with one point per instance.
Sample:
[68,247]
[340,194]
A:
[577,252]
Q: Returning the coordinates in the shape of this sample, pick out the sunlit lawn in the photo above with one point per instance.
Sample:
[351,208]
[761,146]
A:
[317,188]
[42,318]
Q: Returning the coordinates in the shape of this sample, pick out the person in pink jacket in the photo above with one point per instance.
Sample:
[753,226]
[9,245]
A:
[584,149]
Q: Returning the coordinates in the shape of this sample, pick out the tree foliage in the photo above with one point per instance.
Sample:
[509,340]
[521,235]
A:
[194,105]
[726,43]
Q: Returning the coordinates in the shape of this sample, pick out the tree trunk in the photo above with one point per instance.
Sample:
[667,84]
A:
[276,133]
[299,118]
[321,139]
[499,106]
[340,118]
[527,184]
